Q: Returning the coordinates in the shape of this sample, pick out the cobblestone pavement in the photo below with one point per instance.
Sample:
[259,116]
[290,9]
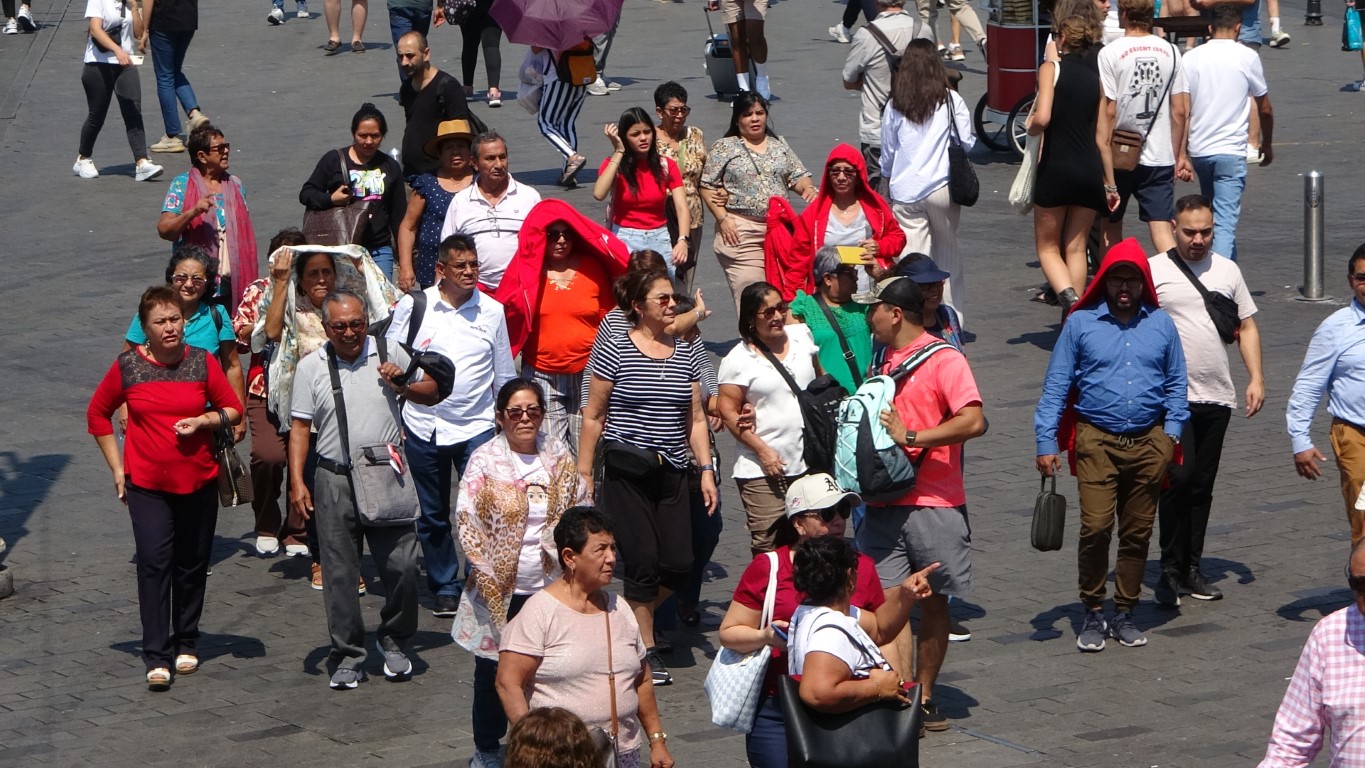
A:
[1202,693]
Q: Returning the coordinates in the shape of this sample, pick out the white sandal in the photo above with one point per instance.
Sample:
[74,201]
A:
[159,679]
[186,664]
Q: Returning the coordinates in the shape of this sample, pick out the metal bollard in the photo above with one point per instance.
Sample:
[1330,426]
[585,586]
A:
[1313,203]
[1313,16]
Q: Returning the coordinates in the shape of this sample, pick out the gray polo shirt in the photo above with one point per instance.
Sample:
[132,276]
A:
[372,409]
[868,59]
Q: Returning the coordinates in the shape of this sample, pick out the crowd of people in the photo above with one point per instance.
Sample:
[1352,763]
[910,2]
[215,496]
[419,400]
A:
[575,440]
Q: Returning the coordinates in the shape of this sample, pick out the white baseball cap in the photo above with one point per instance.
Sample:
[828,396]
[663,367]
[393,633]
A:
[817,491]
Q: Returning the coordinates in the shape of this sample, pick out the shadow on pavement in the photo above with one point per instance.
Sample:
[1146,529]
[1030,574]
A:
[24,485]
[1318,605]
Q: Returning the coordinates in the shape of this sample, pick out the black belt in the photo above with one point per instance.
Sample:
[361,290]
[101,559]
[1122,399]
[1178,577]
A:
[1130,434]
[333,467]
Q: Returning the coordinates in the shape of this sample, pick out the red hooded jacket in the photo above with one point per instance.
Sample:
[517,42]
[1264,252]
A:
[794,270]
[519,291]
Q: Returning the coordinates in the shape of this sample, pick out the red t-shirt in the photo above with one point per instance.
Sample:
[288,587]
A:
[154,456]
[647,209]
[753,583]
[939,388]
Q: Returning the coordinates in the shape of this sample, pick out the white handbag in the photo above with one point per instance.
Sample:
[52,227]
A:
[734,684]
[1021,191]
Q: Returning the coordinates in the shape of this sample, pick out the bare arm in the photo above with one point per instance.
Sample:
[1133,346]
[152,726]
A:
[274,314]
[300,500]
[1249,345]
[1042,104]
[650,722]
[827,685]
[602,187]
[232,366]
[171,225]
[407,240]
[594,414]
[966,424]
[1267,114]
[699,436]
[108,445]
[732,400]
[1180,120]
[739,630]
[1104,131]
[515,673]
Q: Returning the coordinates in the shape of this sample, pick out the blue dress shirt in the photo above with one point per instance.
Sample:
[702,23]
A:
[1335,364]
[1128,376]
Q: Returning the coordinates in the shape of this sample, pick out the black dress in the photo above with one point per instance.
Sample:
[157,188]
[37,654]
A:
[1069,170]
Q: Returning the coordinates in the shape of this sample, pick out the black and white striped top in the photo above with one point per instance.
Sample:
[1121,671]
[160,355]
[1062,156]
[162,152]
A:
[614,327]
[651,399]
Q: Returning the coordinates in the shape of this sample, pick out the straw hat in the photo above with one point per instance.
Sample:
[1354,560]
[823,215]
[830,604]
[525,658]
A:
[448,129]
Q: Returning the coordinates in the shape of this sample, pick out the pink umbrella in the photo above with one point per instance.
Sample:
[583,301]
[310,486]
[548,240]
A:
[554,24]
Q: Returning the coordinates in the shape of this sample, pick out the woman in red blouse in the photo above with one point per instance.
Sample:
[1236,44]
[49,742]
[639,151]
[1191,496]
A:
[642,185]
[166,474]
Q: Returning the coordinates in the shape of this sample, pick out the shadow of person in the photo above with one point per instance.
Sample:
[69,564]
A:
[211,646]
[1315,606]
[953,702]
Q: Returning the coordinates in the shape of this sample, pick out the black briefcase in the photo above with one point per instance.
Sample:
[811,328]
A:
[1049,516]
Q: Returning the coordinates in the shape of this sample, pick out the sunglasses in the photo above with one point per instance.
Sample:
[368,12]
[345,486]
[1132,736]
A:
[461,266]
[849,172]
[774,311]
[555,235]
[224,148]
[679,111]
[1359,277]
[827,514]
[516,414]
[191,279]
[353,325]
[665,299]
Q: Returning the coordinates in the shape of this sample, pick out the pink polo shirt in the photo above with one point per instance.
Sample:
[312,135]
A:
[939,388]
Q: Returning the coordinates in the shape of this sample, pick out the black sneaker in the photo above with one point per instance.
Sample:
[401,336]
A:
[1200,589]
[657,669]
[931,718]
[1167,590]
[446,606]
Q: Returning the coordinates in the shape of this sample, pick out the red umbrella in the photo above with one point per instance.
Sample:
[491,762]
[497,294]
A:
[555,24]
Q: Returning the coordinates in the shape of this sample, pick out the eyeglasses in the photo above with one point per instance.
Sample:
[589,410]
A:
[515,414]
[850,172]
[1118,281]
[679,111]
[665,299]
[191,279]
[780,309]
[1359,277]
[224,148]
[461,266]
[828,513]
[555,235]
[353,325]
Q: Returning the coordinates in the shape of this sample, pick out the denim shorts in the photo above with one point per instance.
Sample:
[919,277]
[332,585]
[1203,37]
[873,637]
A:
[646,239]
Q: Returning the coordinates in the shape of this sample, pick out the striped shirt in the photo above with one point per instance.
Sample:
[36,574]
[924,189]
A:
[1327,692]
[615,325]
[651,398]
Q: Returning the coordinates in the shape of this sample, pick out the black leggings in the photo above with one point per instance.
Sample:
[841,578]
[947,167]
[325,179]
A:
[851,10]
[481,30]
[102,82]
[9,8]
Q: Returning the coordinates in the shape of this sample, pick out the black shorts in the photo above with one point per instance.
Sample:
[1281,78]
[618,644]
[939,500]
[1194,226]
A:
[1154,187]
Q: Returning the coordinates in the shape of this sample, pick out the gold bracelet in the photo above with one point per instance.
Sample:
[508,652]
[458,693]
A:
[657,736]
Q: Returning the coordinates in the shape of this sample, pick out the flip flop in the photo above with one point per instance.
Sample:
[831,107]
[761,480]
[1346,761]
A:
[571,169]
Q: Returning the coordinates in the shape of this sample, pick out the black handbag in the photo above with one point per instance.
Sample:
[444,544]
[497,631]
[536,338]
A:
[963,186]
[1222,310]
[234,476]
[819,403]
[1049,517]
[631,461]
[877,735]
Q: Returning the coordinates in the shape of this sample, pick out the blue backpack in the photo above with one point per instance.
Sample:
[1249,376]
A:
[866,460]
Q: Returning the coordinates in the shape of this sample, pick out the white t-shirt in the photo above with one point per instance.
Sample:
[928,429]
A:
[531,576]
[826,630]
[108,12]
[1206,357]
[777,415]
[1134,72]
[1113,30]
[1220,76]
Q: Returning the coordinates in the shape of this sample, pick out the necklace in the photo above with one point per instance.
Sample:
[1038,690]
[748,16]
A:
[562,280]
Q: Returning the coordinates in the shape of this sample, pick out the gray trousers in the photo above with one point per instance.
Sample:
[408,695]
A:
[395,555]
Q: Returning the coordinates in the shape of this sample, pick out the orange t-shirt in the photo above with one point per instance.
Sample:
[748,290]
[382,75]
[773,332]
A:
[939,388]
[567,319]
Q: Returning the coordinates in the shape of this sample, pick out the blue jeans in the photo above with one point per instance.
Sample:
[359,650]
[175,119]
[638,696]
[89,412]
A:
[383,258]
[648,239]
[168,57]
[431,465]
[766,744]
[405,20]
[1222,179]
[487,716]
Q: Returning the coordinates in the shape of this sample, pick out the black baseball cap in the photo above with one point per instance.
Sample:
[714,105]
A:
[899,292]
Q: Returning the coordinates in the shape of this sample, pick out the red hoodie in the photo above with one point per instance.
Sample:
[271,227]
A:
[794,270]
[519,291]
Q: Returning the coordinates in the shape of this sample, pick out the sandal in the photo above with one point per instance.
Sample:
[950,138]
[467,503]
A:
[494,98]
[332,46]
[159,679]
[571,169]
[186,664]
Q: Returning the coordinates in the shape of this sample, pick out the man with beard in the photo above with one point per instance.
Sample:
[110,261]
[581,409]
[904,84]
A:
[1121,357]
[428,97]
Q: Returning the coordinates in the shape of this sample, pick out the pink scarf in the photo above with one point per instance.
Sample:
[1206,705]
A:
[241,237]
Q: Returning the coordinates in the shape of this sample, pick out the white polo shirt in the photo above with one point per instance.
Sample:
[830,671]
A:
[474,337]
[493,227]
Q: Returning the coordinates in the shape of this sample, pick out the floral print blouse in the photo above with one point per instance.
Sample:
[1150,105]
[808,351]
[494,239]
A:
[690,155]
[750,177]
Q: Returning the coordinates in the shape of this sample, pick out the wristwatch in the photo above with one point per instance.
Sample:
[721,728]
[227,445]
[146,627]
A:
[657,736]
[706,468]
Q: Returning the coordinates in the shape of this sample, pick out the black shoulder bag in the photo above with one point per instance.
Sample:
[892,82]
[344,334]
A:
[843,340]
[963,186]
[1222,310]
[819,404]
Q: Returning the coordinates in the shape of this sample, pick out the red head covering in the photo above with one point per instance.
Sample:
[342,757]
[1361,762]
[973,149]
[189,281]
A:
[1126,252]
[519,291]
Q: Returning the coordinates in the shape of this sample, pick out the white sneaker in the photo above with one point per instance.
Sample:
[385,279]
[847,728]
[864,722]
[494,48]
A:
[612,85]
[1360,86]
[839,34]
[85,168]
[26,21]
[761,85]
[11,27]
[146,171]
[598,88]
[275,17]
[1279,38]
[295,550]
[303,14]
[955,53]
[267,546]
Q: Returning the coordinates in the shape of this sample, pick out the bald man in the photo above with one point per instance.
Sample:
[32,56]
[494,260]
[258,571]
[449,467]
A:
[428,97]
[413,16]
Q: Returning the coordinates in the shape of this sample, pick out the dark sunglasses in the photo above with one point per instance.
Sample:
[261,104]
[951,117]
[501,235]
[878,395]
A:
[827,514]
[1357,583]
[1359,277]
[774,311]
[516,414]
[354,325]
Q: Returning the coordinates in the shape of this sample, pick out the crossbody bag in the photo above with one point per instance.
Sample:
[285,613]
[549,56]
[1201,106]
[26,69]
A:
[1125,147]
[1222,310]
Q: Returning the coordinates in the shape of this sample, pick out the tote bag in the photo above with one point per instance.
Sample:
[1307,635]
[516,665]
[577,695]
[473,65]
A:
[734,683]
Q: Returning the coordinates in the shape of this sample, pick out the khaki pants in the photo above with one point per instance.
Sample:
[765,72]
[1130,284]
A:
[765,505]
[1119,477]
[960,9]
[1348,443]
[931,229]
[743,263]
